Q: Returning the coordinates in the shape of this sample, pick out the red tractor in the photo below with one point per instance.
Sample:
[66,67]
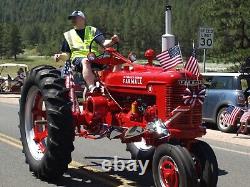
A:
[156,113]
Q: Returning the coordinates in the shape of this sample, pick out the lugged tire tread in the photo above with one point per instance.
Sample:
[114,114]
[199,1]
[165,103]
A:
[61,132]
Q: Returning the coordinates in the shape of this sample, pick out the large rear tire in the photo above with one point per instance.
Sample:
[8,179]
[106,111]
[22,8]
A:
[46,124]
[206,164]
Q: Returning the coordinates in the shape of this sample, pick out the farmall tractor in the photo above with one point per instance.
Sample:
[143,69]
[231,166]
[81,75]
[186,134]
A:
[156,113]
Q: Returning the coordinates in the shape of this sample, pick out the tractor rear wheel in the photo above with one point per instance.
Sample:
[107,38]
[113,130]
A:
[46,124]
[170,167]
[206,164]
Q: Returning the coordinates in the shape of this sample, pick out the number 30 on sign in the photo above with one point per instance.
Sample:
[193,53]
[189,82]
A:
[206,36]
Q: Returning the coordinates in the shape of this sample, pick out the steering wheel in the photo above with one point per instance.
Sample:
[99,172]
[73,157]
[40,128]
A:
[92,56]
[105,35]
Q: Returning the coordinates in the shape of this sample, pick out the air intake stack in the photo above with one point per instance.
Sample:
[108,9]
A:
[168,39]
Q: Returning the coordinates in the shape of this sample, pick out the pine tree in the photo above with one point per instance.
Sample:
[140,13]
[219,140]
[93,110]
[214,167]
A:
[231,21]
[14,42]
[5,39]
[1,41]
[139,23]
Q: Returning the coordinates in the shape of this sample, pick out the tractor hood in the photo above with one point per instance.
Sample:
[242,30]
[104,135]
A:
[139,76]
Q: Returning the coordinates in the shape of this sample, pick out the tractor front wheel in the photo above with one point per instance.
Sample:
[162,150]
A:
[46,127]
[171,167]
[206,164]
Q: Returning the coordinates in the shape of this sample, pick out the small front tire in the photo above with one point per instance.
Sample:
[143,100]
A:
[168,167]
[206,164]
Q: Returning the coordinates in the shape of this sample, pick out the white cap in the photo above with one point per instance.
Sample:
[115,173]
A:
[77,13]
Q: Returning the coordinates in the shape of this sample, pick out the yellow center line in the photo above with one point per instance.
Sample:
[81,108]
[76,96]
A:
[10,139]
[111,180]
[10,142]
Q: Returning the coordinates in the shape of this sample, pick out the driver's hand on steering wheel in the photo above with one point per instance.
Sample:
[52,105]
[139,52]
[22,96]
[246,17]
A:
[115,39]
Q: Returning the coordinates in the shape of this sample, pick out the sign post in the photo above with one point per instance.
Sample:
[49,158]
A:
[206,40]
[204,60]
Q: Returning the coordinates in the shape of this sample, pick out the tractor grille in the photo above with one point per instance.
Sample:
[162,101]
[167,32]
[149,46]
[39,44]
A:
[174,99]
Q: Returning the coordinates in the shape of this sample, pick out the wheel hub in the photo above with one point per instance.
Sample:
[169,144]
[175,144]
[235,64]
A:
[36,125]
[169,175]
[221,123]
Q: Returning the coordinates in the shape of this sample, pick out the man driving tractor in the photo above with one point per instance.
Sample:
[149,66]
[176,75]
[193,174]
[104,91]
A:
[76,46]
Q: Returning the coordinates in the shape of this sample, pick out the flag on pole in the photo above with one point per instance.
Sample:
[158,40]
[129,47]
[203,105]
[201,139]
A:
[231,115]
[244,118]
[192,64]
[170,58]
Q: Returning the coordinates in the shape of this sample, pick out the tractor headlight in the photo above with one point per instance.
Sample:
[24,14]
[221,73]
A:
[158,128]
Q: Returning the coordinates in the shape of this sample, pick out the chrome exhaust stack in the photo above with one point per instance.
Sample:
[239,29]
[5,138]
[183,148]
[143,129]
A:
[168,39]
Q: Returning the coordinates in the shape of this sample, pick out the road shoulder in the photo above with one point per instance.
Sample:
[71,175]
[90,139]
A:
[10,98]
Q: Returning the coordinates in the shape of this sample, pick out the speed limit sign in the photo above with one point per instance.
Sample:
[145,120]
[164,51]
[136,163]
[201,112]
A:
[206,37]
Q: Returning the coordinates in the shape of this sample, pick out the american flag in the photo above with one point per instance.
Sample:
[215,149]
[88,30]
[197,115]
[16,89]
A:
[192,64]
[170,58]
[66,68]
[231,114]
[245,116]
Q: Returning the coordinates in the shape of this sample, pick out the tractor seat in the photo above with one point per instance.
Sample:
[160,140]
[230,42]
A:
[98,67]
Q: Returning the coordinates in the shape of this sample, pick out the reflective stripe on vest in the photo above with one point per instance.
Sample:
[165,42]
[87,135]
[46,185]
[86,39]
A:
[78,47]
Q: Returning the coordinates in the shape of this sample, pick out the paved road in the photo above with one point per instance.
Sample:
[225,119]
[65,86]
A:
[234,161]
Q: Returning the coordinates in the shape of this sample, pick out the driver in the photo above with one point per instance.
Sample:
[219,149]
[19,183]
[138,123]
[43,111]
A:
[76,46]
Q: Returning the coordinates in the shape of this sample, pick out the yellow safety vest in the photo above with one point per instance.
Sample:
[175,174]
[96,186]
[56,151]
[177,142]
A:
[78,47]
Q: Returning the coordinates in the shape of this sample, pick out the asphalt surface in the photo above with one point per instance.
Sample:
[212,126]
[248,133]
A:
[85,170]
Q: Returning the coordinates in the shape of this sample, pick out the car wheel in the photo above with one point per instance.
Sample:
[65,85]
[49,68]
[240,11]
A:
[223,127]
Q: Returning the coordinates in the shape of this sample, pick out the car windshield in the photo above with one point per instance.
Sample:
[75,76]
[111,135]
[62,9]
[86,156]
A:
[219,82]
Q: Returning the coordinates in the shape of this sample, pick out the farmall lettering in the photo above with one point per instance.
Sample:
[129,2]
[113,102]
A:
[133,80]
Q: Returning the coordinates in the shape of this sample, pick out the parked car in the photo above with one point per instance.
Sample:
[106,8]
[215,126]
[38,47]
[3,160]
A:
[224,89]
